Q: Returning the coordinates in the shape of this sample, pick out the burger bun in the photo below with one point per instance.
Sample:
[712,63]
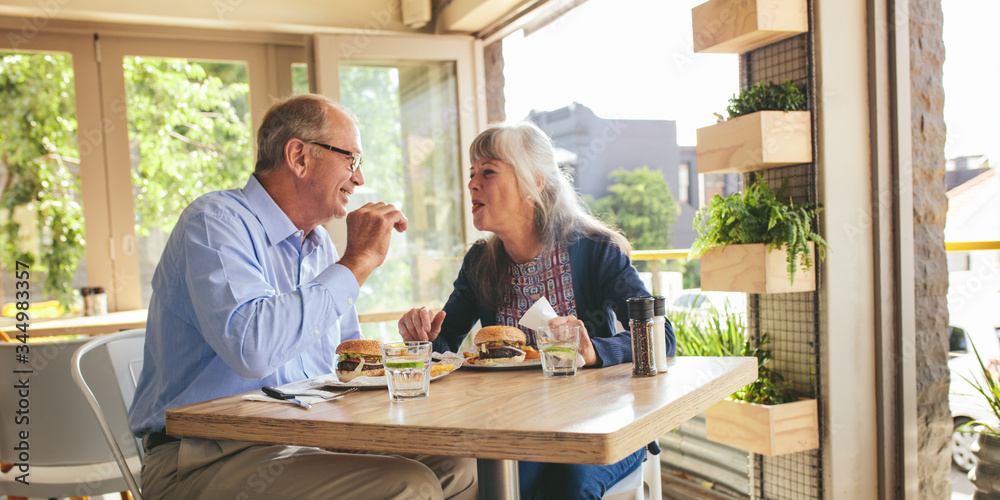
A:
[500,333]
[347,376]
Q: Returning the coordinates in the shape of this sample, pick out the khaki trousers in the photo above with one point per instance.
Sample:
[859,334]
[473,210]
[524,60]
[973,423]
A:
[217,470]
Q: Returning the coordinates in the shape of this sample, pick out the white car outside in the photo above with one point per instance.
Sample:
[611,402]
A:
[703,303]
[966,403]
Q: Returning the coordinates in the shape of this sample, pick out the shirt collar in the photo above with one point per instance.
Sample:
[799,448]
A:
[276,224]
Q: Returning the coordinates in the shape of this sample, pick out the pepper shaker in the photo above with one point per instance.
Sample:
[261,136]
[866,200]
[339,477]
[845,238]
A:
[640,313]
[87,294]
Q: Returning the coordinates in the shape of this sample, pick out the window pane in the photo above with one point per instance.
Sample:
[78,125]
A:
[300,78]
[956,340]
[408,114]
[189,133]
[41,219]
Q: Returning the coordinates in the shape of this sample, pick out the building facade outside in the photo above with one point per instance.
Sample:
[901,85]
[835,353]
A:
[601,146]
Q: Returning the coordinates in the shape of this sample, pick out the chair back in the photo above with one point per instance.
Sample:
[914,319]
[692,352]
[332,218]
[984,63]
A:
[112,363]
[66,453]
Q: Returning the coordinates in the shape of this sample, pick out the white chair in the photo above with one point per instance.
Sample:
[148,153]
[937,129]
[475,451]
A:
[113,362]
[631,486]
[66,453]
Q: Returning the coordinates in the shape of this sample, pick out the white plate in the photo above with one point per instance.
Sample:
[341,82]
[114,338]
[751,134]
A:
[523,365]
[331,379]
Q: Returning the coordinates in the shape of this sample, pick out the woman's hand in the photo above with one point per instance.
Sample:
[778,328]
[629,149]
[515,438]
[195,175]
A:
[418,324]
[586,346]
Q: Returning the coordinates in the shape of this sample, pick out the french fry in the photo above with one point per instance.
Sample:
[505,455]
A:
[440,368]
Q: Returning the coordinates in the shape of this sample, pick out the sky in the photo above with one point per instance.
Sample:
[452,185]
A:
[625,66]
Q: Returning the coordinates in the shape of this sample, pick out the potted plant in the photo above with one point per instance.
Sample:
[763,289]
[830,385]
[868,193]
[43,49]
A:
[753,242]
[766,416]
[985,476]
[738,26]
[768,126]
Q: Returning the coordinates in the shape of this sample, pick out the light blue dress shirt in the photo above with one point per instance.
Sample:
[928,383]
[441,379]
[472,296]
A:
[240,301]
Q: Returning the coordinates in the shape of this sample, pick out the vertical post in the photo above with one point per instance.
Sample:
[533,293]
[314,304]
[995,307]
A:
[498,479]
[655,279]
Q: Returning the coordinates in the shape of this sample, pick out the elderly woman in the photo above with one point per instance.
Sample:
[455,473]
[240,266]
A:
[544,242]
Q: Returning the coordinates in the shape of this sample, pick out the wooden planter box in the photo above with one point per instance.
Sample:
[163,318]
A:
[757,141]
[738,26]
[764,429]
[754,269]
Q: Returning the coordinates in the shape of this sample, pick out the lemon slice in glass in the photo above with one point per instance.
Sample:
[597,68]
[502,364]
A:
[566,353]
[405,364]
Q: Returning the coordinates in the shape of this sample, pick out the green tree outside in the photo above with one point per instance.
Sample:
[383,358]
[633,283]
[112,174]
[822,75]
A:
[189,133]
[640,204]
[38,152]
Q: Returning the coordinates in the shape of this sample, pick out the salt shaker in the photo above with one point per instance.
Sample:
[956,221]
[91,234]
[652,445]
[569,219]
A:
[640,313]
[99,301]
[660,333]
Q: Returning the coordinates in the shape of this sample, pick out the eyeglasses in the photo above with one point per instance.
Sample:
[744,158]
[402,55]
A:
[355,157]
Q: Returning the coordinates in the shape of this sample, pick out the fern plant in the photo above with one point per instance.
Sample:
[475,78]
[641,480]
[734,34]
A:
[767,96]
[770,388]
[724,334]
[757,215]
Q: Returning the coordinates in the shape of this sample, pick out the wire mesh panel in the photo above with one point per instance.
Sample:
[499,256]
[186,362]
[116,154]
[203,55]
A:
[791,320]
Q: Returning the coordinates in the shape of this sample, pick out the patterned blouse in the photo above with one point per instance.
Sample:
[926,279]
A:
[547,274]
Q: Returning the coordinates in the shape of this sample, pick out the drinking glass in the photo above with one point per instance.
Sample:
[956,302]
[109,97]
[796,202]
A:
[558,346]
[407,369]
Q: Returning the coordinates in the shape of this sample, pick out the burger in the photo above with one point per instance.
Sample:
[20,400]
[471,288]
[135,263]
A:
[501,344]
[359,358]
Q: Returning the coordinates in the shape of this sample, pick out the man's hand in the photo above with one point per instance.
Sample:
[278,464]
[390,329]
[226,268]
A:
[368,231]
[418,324]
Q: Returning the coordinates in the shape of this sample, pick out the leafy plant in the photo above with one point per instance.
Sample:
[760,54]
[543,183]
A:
[990,389]
[767,96]
[770,388]
[757,215]
[722,334]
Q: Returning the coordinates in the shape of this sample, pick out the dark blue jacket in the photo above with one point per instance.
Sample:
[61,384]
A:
[603,278]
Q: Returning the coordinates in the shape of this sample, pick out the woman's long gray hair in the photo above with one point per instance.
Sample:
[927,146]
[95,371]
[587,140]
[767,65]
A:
[561,217]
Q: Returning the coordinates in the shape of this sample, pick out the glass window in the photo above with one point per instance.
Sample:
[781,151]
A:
[408,114]
[41,219]
[684,183]
[300,78]
[956,340]
[189,133]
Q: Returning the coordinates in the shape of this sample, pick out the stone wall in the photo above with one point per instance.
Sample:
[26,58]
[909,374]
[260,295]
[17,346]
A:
[930,207]
[495,102]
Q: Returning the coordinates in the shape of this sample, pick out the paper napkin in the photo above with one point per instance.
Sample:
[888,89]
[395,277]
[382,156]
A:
[538,314]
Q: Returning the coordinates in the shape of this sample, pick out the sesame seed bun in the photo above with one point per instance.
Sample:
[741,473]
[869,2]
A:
[361,346]
[499,333]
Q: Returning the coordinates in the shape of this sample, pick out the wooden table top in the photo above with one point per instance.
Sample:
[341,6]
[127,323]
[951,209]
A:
[83,325]
[598,417]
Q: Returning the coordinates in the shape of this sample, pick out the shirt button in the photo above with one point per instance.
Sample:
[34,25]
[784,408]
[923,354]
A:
[298,233]
[315,332]
[350,301]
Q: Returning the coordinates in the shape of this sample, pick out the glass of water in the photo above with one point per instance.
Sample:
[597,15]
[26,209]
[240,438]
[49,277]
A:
[558,346]
[407,369]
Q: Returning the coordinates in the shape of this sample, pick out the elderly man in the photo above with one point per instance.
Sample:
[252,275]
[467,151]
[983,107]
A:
[250,292]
